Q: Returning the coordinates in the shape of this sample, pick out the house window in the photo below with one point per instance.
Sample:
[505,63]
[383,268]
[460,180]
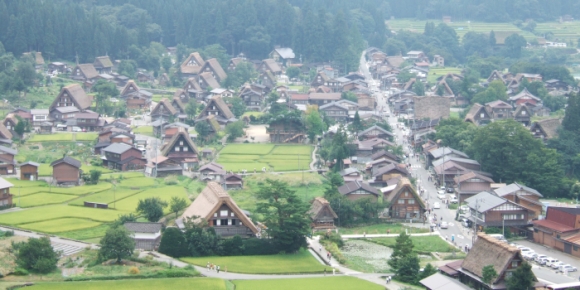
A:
[224,222]
[233,222]
[575,248]
[406,193]
[514,264]
[523,113]
[177,149]
[185,149]
[215,214]
[223,212]
[411,201]
[401,201]
[218,222]
[482,115]
[232,214]
[181,143]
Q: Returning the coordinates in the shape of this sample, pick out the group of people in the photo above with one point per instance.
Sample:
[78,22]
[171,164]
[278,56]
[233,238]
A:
[212,267]
[388,279]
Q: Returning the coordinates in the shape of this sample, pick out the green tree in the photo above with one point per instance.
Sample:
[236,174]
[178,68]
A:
[455,133]
[356,123]
[403,248]
[191,110]
[173,243]
[314,123]
[151,208]
[350,96]
[427,271]
[166,63]
[203,129]
[238,106]
[235,130]
[125,218]
[292,72]
[571,121]
[20,127]
[104,91]
[513,45]
[492,39]
[488,274]
[419,88]
[495,91]
[116,244]
[408,269]
[95,175]
[176,204]
[339,149]
[285,215]
[522,278]
[36,255]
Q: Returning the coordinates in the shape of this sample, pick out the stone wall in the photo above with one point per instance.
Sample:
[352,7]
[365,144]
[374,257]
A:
[432,107]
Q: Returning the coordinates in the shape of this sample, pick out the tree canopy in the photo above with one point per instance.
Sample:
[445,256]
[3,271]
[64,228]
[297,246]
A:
[116,244]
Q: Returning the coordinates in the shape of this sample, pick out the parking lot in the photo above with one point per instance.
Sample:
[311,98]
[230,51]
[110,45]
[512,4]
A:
[566,259]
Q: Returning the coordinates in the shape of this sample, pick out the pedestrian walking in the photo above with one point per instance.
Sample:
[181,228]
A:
[333,271]
[324,271]
[453,238]
[218,269]
[364,234]
[207,266]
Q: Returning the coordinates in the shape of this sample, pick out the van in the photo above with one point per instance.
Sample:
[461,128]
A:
[499,237]
[550,262]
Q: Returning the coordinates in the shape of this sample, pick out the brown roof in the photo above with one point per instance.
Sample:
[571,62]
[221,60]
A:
[490,251]
[390,167]
[470,116]
[349,187]
[395,61]
[4,132]
[219,102]
[318,204]
[78,95]
[212,197]
[167,104]
[104,61]
[402,184]
[558,227]
[324,96]
[299,97]
[177,101]
[88,70]
[192,69]
[127,88]
[212,166]
[217,68]
[272,65]
[67,160]
[181,132]
[209,80]
[470,175]
[451,268]
[548,126]
[193,83]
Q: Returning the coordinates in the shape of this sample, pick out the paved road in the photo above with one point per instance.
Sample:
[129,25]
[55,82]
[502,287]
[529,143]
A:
[68,247]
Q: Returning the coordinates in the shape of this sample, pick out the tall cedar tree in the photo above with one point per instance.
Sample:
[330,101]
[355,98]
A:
[173,243]
[571,121]
[285,215]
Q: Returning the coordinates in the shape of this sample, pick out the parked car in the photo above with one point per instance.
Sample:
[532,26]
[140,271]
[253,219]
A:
[568,268]
[436,205]
[466,223]
[525,250]
[551,261]
[529,256]
[441,196]
[541,259]
[453,199]
[444,225]
[450,189]
[557,265]
[464,208]
[76,129]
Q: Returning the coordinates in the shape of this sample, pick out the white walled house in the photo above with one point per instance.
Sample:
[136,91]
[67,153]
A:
[146,235]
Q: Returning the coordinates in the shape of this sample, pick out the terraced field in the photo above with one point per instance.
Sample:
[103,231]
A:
[237,157]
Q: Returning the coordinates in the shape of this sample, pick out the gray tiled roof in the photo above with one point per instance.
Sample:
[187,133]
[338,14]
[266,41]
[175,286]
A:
[117,148]
[484,201]
[143,227]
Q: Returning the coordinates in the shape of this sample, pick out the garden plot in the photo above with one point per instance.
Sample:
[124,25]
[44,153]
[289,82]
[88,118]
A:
[334,283]
[366,257]
[42,198]
[61,225]
[250,157]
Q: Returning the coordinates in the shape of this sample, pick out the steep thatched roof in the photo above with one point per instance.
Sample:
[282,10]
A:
[548,126]
[317,207]
[490,251]
[475,109]
[404,183]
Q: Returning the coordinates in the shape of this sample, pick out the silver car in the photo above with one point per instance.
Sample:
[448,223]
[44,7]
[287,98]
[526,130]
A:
[568,268]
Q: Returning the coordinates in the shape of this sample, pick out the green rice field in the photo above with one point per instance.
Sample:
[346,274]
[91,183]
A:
[61,225]
[141,284]
[63,137]
[334,283]
[42,198]
[237,157]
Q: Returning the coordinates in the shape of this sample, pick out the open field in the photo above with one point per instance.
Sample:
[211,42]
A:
[38,214]
[165,193]
[85,233]
[108,196]
[144,130]
[139,284]
[42,198]
[301,262]
[237,157]
[63,137]
[435,72]
[380,229]
[334,283]
[61,225]
[422,244]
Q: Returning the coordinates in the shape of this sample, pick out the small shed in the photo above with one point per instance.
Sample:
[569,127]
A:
[146,235]
[66,170]
[29,171]
[45,128]
[207,153]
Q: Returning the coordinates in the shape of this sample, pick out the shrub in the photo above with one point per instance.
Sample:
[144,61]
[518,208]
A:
[233,246]
[333,249]
[134,271]
[254,247]
[173,243]
[20,272]
[176,273]
[36,255]
[334,238]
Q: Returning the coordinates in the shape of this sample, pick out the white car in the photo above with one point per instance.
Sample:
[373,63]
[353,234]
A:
[454,199]
[529,256]
[444,225]
[568,268]
[464,208]
[436,205]
[551,261]
[557,265]
[441,195]
[541,259]
[526,250]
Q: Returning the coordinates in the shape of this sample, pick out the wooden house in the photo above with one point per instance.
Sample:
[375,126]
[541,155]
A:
[57,67]
[478,115]
[560,230]
[66,170]
[556,85]
[404,202]
[523,196]
[234,63]
[215,69]
[357,189]
[29,171]
[10,121]
[386,155]
[321,99]
[218,108]
[164,110]
[147,236]
[71,100]
[37,58]
[39,116]
[123,157]
[267,79]
[162,166]
[7,162]
[524,97]
[375,132]
[192,90]
[490,210]
[216,207]
[383,174]
[321,79]
[84,72]
[546,129]
[253,100]
[499,109]
[523,115]
[103,64]
[486,250]
[181,149]
[351,174]
[212,172]
[283,55]
[208,82]
[192,65]
[441,152]
[5,196]
[271,66]
[233,181]
[134,97]
[470,184]
[207,153]
[322,215]
[335,111]
[286,131]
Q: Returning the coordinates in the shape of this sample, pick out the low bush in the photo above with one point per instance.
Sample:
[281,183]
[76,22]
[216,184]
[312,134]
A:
[334,238]
[20,272]
[333,249]
[253,247]
[134,271]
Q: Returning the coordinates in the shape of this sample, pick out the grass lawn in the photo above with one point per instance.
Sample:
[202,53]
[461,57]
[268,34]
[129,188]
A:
[86,233]
[108,196]
[237,157]
[25,183]
[81,190]
[61,225]
[140,284]
[129,204]
[45,213]
[144,130]
[42,198]
[301,262]
[334,283]
[125,175]
[380,229]
[454,114]
[434,73]
[422,244]
[85,136]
